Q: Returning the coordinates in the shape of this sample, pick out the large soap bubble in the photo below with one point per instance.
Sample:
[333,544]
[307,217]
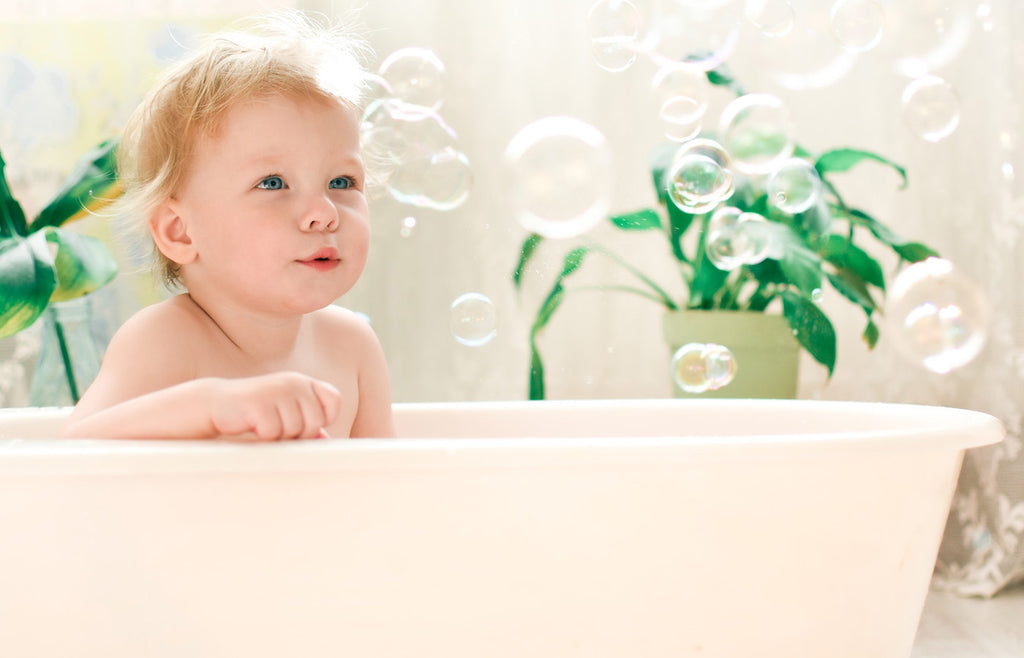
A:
[794,186]
[560,176]
[757,131]
[937,316]
[439,179]
[700,176]
[415,154]
[681,96]
[772,18]
[416,75]
[931,108]
[614,31]
[701,33]
[736,238]
[702,367]
[807,55]
[473,319]
[924,36]
[858,24]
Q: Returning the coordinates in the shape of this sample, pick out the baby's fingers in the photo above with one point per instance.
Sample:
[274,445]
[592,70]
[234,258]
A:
[330,401]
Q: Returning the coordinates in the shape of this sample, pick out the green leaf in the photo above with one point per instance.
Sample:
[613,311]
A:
[852,287]
[721,76]
[870,334]
[83,264]
[839,160]
[811,327]
[27,280]
[572,262]
[679,222]
[12,217]
[525,253]
[845,255]
[909,251]
[641,220]
[707,281]
[536,373]
[91,185]
[914,251]
[801,267]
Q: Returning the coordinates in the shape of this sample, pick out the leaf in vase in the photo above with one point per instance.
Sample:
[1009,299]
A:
[83,264]
[91,185]
[811,327]
[27,280]
[844,159]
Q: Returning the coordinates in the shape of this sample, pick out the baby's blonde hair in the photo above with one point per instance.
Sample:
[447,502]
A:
[290,53]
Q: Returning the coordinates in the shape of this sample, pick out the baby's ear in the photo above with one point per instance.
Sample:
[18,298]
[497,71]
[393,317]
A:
[170,233]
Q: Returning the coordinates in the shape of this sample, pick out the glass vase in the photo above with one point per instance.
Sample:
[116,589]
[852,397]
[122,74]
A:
[69,357]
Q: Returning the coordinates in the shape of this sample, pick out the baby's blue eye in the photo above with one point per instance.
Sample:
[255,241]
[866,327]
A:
[342,183]
[271,183]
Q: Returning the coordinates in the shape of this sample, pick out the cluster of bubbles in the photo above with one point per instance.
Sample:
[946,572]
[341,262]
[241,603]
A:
[413,152]
[937,316]
[805,44]
[473,320]
[702,367]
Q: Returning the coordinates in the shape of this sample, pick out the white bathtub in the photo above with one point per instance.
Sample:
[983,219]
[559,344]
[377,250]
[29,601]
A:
[717,528]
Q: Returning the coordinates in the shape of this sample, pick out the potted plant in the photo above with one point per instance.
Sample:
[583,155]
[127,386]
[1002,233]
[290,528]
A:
[809,247]
[43,265]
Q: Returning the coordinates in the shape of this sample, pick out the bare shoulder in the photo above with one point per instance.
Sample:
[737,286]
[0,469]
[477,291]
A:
[166,328]
[153,349]
[337,323]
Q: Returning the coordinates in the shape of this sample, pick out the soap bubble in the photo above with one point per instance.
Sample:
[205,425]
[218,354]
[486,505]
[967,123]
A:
[773,18]
[757,131]
[408,226]
[702,367]
[614,30]
[700,176]
[702,34]
[561,174]
[931,108]
[926,35]
[736,238]
[681,96]
[440,179]
[412,152]
[858,24]
[937,316]
[807,56]
[416,75]
[392,129]
[473,319]
[794,186]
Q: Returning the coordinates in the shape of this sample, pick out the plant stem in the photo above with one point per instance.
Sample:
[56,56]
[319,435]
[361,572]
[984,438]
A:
[65,356]
[664,296]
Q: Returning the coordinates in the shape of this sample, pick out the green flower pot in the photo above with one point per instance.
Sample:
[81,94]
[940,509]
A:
[766,354]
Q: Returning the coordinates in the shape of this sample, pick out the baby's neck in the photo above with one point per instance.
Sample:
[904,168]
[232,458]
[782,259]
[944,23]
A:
[268,343]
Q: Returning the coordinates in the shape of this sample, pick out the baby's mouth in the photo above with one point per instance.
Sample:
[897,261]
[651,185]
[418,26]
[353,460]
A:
[325,258]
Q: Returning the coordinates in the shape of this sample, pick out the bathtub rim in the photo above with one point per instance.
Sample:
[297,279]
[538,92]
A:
[963,429]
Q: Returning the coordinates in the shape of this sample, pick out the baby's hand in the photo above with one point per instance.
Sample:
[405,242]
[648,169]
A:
[275,407]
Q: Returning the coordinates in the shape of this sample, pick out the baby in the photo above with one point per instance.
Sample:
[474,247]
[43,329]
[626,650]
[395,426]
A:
[244,165]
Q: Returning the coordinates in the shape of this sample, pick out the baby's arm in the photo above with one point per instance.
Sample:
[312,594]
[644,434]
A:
[147,388]
[284,405]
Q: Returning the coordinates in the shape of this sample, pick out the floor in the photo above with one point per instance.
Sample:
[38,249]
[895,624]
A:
[955,627]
